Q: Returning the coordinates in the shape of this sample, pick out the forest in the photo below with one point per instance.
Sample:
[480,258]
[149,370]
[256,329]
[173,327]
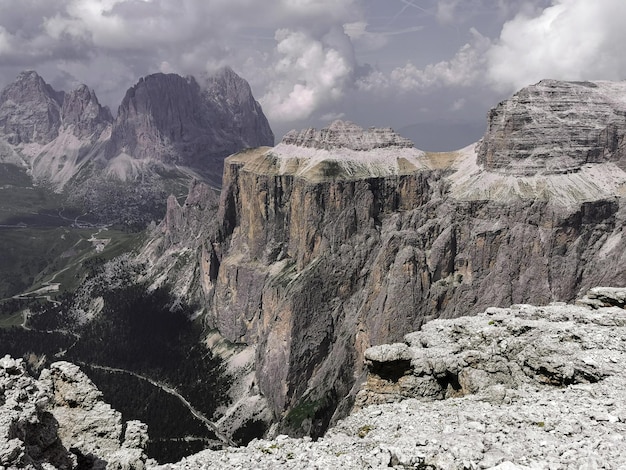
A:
[146,332]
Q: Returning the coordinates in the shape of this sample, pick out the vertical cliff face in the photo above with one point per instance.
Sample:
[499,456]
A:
[343,238]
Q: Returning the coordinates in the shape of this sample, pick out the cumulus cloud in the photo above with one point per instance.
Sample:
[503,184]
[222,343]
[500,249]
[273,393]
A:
[310,73]
[464,69]
[566,39]
[305,63]
[570,40]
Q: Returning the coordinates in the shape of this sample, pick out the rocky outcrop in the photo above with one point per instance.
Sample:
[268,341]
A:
[347,136]
[60,420]
[173,120]
[556,127]
[502,348]
[509,389]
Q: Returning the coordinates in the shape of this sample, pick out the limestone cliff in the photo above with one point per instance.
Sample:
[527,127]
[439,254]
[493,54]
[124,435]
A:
[344,238]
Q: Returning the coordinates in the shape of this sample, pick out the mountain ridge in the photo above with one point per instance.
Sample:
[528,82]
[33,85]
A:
[163,119]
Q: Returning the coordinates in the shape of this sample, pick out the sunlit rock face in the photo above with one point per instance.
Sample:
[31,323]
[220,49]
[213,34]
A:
[556,127]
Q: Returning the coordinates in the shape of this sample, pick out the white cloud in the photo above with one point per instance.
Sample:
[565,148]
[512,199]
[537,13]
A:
[310,73]
[567,39]
[570,40]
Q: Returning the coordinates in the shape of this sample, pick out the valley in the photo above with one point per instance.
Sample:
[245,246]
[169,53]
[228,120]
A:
[254,311]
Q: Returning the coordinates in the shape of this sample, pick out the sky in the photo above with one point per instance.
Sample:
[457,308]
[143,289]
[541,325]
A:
[430,69]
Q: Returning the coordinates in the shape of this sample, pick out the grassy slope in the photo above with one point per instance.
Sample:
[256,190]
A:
[37,245]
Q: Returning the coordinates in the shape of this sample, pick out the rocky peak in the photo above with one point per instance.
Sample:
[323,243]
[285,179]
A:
[347,135]
[81,109]
[30,110]
[236,107]
[172,119]
[556,127]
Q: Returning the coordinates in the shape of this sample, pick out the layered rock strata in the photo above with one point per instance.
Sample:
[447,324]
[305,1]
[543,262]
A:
[556,127]
[510,389]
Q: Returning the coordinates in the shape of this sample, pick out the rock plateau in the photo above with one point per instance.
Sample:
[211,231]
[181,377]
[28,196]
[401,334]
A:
[343,238]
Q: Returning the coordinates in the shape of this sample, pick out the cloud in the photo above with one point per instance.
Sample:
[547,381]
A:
[310,73]
[294,52]
[464,11]
[570,40]
[566,39]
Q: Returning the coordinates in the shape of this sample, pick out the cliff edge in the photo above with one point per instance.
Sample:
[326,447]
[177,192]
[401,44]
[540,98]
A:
[343,238]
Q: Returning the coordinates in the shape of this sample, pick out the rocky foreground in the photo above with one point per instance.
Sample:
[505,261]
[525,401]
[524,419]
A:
[60,421]
[512,388]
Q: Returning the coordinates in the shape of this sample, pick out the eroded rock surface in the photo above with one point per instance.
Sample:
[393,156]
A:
[556,127]
[60,420]
[511,388]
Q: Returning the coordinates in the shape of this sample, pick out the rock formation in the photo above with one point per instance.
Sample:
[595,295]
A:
[344,238]
[173,120]
[509,389]
[30,110]
[165,123]
[556,127]
[54,134]
[60,420]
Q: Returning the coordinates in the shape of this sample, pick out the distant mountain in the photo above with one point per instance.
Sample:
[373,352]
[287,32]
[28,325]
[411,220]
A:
[168,129]
[173,120]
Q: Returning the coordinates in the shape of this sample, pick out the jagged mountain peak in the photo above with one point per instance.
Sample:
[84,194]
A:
[347,135]
[82,110]
[30,110]
[170,119]
[30,80]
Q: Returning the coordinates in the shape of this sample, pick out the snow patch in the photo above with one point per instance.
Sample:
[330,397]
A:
[591,182]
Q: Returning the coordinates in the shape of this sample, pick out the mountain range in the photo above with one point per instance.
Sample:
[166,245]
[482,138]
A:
[167,127]
[341,239]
